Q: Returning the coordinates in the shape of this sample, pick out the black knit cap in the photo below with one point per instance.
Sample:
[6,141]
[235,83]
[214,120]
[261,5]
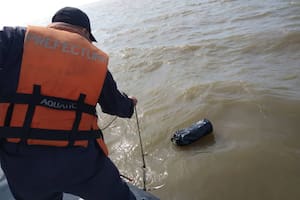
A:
[75,17]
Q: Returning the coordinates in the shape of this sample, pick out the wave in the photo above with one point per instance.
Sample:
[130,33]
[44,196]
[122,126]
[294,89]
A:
[279,42]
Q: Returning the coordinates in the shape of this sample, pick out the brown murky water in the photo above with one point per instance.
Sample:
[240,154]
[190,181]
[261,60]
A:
[234,62]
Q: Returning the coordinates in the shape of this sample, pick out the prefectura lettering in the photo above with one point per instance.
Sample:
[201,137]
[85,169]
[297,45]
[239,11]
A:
[69,48]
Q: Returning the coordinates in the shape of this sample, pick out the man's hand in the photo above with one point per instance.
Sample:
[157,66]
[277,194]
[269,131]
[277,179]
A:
[134,100]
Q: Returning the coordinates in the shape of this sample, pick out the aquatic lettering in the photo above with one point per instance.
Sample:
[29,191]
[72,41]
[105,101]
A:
[58,105]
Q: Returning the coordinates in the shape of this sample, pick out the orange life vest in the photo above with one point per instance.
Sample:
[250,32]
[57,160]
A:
[61,78]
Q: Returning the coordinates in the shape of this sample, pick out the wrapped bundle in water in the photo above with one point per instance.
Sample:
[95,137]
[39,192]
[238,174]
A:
[193,133]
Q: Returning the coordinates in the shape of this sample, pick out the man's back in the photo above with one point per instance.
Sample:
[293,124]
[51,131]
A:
[37,170]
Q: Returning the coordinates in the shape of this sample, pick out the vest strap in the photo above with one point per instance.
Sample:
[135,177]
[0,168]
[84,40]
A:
[49,102]
[73,134]
[30,113]
[45,134]
[37,99]
[9,113]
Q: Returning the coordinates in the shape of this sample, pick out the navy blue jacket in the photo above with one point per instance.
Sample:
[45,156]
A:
[111,100]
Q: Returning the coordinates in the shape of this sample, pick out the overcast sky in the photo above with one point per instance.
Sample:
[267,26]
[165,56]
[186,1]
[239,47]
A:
[24,12]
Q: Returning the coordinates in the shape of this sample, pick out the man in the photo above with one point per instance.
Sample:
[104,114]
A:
[51,79]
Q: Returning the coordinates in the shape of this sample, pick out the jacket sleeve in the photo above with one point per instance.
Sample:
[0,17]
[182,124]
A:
[2,49]
[11,51]
[112,101]
[11,40]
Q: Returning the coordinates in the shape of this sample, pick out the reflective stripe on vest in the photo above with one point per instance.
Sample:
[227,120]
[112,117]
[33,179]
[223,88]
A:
[60,81]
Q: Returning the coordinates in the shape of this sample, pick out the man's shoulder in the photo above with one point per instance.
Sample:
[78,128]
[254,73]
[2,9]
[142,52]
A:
[13,29]
[9,32]
[12,40]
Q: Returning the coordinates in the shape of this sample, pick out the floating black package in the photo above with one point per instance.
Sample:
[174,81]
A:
[191,134]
